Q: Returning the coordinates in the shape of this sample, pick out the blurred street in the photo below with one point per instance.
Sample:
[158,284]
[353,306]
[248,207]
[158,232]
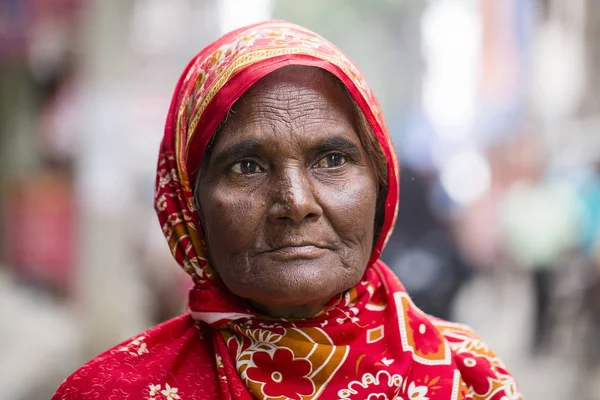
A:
[550,376]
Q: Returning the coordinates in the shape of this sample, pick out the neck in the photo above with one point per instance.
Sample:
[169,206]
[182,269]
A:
[303,311]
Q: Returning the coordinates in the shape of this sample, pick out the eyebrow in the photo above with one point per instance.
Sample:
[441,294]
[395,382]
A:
[338,143]
[252,147]
[237,150]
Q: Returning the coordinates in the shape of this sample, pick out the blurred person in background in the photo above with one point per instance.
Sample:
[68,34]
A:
[40,202]
[590,200]
[422,249]
[540,224]
[277,187]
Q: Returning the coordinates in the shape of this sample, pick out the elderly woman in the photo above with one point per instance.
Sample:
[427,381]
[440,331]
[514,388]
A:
[277,187]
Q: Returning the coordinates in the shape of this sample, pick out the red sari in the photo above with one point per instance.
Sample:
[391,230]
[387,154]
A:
[370,342]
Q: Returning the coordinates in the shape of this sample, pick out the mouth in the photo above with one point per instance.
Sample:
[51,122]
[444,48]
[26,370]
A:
[307,252]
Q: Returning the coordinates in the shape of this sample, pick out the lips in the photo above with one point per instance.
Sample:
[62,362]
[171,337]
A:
[296,251]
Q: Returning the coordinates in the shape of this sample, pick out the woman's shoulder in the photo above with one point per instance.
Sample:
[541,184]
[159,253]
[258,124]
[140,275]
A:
[476,361]
[155,361]
[454,330]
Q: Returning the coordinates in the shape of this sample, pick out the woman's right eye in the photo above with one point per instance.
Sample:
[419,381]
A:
[246,167]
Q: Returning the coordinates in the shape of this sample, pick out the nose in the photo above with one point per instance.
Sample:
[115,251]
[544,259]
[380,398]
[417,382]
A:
[293,199]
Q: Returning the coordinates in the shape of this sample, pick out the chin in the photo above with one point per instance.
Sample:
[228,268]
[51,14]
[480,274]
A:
[290,287]
[293,299]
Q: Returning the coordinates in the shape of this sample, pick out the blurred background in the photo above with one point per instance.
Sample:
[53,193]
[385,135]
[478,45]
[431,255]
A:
[494,107]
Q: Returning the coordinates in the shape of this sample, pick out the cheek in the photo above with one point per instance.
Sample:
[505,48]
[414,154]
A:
[231,221]
[351,209]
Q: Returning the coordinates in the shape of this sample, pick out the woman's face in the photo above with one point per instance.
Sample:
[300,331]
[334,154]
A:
[288,196]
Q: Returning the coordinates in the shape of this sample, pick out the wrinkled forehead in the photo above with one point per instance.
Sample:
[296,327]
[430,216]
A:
[295,96]
[296,108]
[299,91]
[312,79]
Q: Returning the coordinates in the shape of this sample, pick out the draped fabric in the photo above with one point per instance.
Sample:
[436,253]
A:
[370,342]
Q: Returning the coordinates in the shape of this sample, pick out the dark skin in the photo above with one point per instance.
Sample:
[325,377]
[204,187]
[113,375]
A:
[288,196]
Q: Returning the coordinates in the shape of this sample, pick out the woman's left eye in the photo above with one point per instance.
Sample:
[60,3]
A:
[331,161]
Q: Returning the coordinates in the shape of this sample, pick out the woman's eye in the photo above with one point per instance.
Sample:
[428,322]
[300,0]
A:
[331,161]
[246,167]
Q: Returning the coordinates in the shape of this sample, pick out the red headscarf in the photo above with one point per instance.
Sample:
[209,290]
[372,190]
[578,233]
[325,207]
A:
[369,343]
